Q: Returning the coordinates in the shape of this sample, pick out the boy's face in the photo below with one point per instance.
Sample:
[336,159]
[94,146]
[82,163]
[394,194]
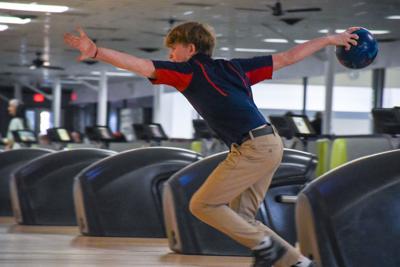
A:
[181,52]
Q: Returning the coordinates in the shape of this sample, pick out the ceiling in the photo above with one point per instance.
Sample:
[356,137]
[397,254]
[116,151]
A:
[137,27]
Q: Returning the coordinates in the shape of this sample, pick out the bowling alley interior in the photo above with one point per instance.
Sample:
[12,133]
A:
[227,133]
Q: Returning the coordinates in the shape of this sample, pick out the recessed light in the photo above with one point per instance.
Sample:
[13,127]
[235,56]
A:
[13,20]
[300,41]
[3,28]
[117,74]
[393,17]
[371,31]
[33,7]
[271,40]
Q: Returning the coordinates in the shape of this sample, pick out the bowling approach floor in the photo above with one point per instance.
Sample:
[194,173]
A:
[63,246]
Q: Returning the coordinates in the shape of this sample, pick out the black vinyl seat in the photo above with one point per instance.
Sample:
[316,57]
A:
[350,217]
[42,189]
[121,196]
[188,235]
[10,161]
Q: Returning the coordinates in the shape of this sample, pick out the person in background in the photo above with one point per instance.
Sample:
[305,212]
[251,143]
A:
[76,137]
[317,123]
[18,122]
[44,140]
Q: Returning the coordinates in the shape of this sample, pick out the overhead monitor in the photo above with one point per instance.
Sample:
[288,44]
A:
[148,132]
[293,125]
[302,125]
[99,133]
[60,135]
[386,120]
[24,136]
[103,133]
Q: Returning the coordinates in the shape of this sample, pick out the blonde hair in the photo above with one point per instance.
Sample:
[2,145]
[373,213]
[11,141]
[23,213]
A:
[199,34]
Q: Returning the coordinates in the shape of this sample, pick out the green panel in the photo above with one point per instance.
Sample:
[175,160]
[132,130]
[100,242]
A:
[339,153]
[323,157]
[196,146]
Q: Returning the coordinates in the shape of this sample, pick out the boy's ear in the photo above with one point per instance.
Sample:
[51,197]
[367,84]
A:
[192,49]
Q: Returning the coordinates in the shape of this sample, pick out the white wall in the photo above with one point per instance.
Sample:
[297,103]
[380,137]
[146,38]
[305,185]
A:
[345,99]
[176,115]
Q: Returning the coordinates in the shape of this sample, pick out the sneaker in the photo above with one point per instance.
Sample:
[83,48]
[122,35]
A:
[266,256]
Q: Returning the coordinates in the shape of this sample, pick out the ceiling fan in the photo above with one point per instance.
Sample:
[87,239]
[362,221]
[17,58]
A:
[38,63]
[277,9]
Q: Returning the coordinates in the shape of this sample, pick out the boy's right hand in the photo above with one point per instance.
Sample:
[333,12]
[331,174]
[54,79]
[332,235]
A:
[346,38]
[82,43]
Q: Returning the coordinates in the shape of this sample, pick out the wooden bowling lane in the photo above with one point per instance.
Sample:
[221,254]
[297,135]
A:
[62,246]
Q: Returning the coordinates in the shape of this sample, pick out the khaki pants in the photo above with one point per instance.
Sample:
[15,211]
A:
[229,198]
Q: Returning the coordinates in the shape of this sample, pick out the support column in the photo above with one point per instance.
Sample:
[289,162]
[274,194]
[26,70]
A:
[378,85]
[305,85]
[17,91]
[56,103]
[158,91]
[102,100]
[329,83]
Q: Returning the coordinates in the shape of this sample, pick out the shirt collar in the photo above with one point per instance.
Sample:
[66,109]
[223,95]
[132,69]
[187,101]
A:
[201,57]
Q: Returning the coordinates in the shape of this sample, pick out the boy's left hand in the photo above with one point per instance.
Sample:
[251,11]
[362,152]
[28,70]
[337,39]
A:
[346,38]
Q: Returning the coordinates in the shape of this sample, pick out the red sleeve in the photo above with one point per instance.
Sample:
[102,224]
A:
[256,69]
[178,75]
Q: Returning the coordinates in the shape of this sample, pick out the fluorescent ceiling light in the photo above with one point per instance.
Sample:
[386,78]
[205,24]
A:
[224,49]
[254,50]
[393,17]
[3,27]
[33,7]
[270,40]
[379,31]
[371,31]
[111,73]
[300,41]
[13,20]
[187,13]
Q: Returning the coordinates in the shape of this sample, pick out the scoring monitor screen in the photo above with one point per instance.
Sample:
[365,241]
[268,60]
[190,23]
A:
[301,125]
[104,133]
[155,131]
[63,135]
[27,136]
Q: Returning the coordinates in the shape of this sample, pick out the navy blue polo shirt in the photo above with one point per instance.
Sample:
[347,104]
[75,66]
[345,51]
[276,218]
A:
[219,90]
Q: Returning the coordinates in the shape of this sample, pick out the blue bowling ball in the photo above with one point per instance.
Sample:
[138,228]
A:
[362,54]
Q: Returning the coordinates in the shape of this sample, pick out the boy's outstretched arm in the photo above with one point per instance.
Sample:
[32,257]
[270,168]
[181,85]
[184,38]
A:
[88,49]
[301,51]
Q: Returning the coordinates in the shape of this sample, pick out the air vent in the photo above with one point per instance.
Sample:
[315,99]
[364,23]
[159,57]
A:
[149,49]
[25,16]
[90,61]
